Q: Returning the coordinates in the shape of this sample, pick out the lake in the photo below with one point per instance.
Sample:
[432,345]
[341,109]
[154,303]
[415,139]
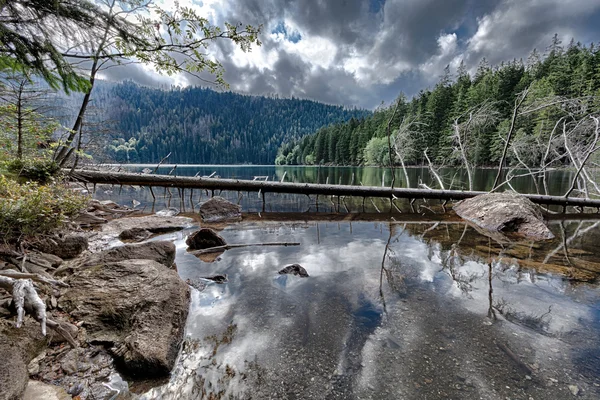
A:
[396,306]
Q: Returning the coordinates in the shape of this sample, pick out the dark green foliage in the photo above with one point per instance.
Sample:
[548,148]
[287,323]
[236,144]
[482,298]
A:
[32,32]
[574,72]
[40,170]
[202,126]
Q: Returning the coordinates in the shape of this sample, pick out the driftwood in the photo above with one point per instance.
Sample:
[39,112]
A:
[134,179]
[25,297]
[11,273]
[218,249]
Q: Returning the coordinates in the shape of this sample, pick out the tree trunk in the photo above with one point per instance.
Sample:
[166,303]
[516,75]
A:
[65,151]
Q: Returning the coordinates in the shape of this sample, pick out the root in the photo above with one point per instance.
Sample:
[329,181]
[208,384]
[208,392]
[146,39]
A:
[26,298]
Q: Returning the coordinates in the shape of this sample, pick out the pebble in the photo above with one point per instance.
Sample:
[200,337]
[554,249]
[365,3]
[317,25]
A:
[574,390]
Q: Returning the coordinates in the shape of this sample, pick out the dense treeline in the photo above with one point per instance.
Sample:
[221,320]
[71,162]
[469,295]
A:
[203,126]
[571,72]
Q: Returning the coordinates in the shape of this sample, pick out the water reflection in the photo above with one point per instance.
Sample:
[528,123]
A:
[558,181]
[422,310]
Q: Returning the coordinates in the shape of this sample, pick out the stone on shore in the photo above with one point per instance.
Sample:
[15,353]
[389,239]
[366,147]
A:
[18,346]
[505,213]
[150,223]
[218,209]
[161,251]
[38,390]
[137,308]
[66,247]
[205,238]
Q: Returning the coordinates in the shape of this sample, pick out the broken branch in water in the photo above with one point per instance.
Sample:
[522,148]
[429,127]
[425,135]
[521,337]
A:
[217,249]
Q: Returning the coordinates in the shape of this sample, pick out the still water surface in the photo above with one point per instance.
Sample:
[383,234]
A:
[417,310]
[392,311]
[483,179]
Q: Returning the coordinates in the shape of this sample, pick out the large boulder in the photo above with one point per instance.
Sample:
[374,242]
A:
[150,223]
[205,238]
[161,251]
[65,247]
[218,209]
[506,213]
[137,308]
[38,390]
[18,346]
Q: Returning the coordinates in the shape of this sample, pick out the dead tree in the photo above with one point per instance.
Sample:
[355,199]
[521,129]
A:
[405,139]
[464,133]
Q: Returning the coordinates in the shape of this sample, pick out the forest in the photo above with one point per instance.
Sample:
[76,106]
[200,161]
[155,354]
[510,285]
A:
[203,126]
[466,118]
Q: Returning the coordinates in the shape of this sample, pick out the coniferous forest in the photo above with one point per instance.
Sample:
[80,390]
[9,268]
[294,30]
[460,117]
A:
[202,126]
[564,72]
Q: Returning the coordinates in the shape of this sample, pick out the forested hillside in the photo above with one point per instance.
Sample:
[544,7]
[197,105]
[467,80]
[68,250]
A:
[428,124]
[202,126]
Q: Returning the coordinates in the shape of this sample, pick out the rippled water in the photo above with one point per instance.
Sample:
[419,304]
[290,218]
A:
[392,311]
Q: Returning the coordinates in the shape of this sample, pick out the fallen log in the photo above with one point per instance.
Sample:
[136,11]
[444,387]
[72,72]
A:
[136,179]
[218,249]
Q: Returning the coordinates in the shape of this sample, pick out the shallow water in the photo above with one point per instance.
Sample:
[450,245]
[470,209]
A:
[391,311]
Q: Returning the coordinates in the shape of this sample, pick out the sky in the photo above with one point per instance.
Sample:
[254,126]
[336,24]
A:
[365,52]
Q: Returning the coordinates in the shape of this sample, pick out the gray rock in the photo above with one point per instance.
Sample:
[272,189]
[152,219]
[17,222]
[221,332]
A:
[135,235]
[138,308]
[168,212]
[218,209]
[37,390]
[18,346]
[294,269]
[161,251]
[66,247]
[204,238]
[150,223]
[505,213]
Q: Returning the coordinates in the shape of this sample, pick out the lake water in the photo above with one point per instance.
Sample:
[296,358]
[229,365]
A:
[404,306]
[483,179]
[391,311]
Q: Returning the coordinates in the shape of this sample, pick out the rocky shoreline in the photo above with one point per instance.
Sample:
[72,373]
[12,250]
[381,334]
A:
[122,304]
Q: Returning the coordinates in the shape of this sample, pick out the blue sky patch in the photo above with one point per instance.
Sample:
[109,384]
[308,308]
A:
[293,37]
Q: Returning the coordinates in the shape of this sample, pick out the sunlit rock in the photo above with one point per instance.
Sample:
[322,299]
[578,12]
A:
[506,213]
[218,209]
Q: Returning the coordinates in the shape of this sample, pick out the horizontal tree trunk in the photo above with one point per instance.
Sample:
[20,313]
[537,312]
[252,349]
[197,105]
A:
[136,179]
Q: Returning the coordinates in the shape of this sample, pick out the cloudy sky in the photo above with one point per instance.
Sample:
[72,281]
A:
[363,52]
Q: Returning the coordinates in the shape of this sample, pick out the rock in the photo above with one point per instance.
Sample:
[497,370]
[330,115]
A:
[161,251]
[34,365]
[69,246]
[204,238]
[135,235]
[137,308]
[197,284]
[294,269]
[217,209]
[151,223]
[57,338]
[37,390]
[220,279]
[574,390]
[18,346]
[168,212]
[505,212]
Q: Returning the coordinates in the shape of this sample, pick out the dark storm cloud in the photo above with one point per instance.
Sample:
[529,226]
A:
[360,52]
